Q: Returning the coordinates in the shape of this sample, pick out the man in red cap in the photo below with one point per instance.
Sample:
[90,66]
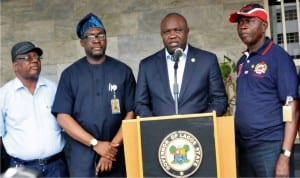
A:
[267,87]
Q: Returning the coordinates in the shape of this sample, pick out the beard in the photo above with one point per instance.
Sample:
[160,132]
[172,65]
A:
[97,56]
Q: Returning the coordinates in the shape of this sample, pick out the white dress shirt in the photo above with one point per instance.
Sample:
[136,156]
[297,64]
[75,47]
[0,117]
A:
[180,69]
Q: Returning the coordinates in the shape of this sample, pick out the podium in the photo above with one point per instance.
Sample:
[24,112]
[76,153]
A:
[191,145]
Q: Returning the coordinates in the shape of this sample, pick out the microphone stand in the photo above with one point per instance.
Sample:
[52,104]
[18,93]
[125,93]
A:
[175,86]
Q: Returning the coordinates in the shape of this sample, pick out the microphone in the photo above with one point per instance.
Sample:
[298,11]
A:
[177,54]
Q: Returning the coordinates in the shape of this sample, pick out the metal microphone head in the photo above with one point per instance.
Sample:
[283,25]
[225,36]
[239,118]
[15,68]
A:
[178,52]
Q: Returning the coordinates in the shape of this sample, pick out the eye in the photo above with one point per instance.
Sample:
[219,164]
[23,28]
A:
[167,32]
[29,58]
[92,37]
[178,30]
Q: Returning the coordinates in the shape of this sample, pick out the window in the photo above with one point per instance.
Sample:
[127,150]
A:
[289,15]
[291,38]
[285,31]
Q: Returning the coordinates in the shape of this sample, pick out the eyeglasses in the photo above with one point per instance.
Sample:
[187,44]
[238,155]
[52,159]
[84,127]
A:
[93,37]
[29,58]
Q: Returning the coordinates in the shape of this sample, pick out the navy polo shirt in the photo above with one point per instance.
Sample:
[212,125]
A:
[85,92]
[264,79]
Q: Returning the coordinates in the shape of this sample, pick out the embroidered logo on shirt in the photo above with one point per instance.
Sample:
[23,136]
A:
[260,69]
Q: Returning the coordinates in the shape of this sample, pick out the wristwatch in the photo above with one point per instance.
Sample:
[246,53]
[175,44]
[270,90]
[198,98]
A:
[93,143]
[285,152]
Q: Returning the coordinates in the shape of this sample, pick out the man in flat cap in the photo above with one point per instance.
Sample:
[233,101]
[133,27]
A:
[267,93]
[28,130]
[94,95]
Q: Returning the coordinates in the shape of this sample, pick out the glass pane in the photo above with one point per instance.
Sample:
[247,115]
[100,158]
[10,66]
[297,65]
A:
[291,25]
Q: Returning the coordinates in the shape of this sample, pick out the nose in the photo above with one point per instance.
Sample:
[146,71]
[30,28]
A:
[96,40]
[172,34]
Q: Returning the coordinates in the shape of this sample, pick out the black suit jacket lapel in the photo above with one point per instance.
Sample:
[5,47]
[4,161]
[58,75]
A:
[161,64]
[188,73]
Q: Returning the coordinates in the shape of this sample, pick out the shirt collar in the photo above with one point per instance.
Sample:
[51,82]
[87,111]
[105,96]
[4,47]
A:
[264,49]
[19,85]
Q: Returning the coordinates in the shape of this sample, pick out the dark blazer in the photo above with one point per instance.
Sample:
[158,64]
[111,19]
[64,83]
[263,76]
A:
[202,88]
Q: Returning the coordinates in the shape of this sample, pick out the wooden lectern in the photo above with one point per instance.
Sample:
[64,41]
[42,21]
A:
[200,145]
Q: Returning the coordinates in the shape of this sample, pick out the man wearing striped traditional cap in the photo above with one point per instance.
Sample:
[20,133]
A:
[94,95]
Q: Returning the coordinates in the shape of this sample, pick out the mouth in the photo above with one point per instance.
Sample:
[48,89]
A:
[174,45]
[97,49]
[244,35]
[34,67]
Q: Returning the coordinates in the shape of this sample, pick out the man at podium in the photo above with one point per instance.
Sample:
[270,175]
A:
[179,79]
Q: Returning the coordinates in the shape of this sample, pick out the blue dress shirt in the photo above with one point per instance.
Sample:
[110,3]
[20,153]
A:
[27,127]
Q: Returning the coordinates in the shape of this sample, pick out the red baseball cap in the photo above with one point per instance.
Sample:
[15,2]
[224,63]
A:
[249,10]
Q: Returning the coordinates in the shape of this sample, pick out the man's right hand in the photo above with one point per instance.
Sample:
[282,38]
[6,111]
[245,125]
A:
[107,150]
[103,164]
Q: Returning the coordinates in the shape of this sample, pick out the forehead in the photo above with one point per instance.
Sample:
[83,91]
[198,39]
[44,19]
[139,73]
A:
[247,18]
[94,30]
[173,21]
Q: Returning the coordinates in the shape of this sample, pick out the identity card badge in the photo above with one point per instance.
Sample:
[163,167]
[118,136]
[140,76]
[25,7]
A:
[287,110]
[115,103]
